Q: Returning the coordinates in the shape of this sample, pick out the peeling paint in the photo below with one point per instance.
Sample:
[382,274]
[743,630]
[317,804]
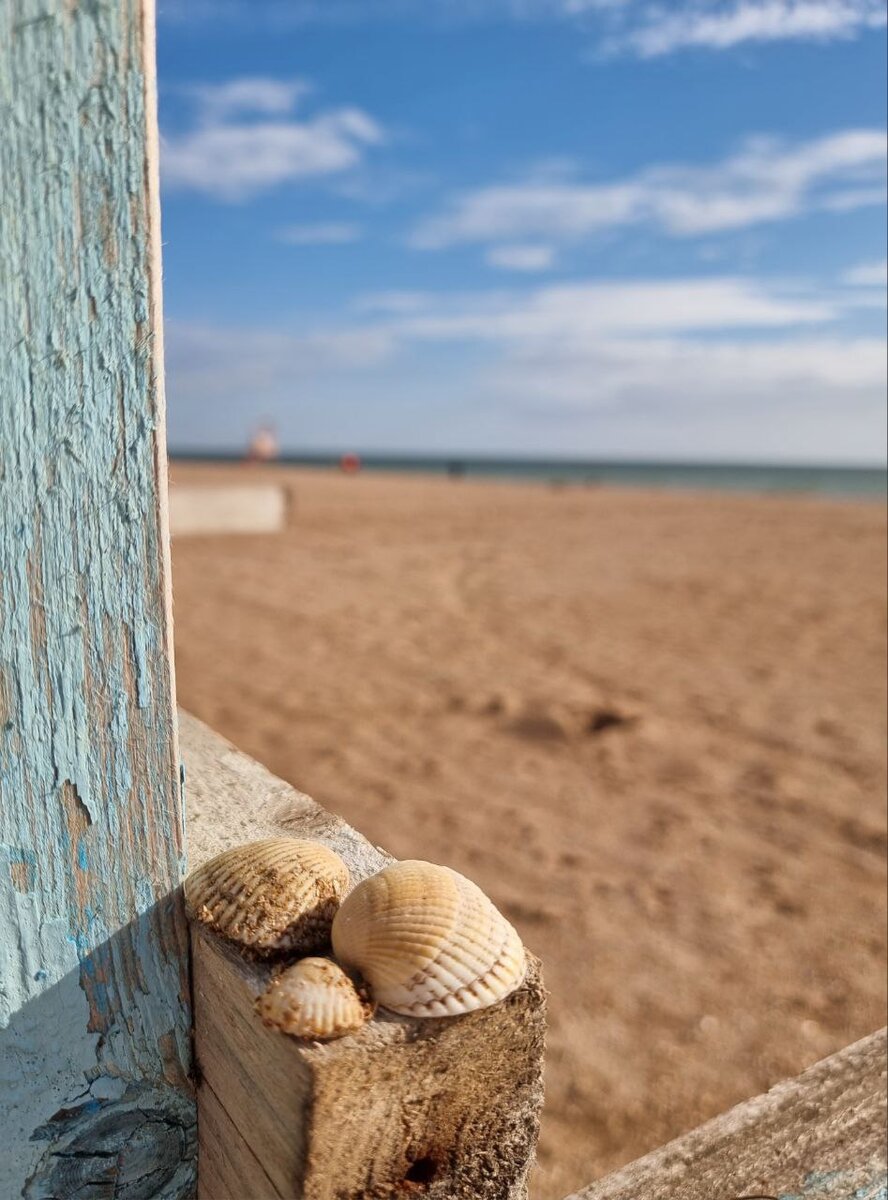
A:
[22,869]
[93,999]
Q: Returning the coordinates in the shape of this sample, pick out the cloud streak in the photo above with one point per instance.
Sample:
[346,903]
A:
[245,96]
[231,157]
[676,372]
[570,315]
[871,274]
[527,257]
[767,180]
[662,31]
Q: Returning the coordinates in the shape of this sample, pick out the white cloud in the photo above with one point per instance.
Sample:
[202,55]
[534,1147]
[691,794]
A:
[608,372]
[719,27]
[801,399]
[235,161]
[570,315]
[329,233]
[728,367]
[235,158]
[870,274]
[249,94]
[521,257]
[767,180]
[851,198]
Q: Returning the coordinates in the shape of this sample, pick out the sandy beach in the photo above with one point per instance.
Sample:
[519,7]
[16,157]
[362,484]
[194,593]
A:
[651,725]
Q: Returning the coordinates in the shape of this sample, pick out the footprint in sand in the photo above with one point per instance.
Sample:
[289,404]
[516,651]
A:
[538,725]
[608,717]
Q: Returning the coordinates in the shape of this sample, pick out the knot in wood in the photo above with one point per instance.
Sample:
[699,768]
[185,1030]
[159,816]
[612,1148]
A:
[134,1149]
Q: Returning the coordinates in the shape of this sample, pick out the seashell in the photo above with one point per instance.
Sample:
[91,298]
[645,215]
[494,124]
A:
[271,898]
[313,999]
[428,941]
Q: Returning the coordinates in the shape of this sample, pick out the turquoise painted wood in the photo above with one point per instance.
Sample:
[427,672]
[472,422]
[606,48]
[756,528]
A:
[95,1099]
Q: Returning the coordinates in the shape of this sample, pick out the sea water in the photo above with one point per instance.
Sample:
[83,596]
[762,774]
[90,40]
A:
[864,482]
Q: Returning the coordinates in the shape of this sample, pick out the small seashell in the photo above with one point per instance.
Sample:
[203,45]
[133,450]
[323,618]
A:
[428,941]
[313,999]
[272,897]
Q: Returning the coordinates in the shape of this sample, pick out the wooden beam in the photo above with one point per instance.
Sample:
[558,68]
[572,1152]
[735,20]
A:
[821,1136]
[444,1109]
[94,1013]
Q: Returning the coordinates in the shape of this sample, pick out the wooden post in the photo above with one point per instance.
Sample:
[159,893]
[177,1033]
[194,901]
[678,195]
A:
[442,1109]
[94,1012]
[820,1136]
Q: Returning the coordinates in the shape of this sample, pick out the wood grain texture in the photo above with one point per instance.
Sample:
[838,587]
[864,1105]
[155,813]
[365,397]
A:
[821,1136]
[94,1013]
[444,1109]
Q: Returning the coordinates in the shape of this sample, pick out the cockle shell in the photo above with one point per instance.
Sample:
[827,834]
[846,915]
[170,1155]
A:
[313,999]
[272,897]
[428,941]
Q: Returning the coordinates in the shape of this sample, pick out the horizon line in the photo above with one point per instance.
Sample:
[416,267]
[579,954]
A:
[514,459]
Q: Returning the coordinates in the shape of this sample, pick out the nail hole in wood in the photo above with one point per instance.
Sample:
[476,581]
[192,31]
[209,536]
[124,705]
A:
[423,1170]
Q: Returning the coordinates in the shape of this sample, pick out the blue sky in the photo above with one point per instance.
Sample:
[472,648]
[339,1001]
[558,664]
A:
[593,228]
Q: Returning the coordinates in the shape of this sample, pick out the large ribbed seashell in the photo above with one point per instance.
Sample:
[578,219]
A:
[428,941]
[313,999]
[272,897]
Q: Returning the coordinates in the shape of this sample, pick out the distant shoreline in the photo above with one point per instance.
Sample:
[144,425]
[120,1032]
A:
[862,482]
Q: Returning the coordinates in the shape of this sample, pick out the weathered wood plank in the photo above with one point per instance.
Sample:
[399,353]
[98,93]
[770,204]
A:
[446,1109]
[232,1171]
[94,1019]
[240,508]
[821,1136]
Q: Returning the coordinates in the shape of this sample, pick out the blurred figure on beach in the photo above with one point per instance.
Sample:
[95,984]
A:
[263,445]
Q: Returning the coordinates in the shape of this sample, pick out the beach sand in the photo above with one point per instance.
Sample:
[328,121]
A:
[650,725]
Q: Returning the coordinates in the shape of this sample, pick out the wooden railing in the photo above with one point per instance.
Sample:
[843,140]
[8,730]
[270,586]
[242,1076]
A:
[821,1136]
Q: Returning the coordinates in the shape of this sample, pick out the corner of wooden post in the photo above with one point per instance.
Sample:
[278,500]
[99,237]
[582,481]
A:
[444,1109]
[439,1108]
